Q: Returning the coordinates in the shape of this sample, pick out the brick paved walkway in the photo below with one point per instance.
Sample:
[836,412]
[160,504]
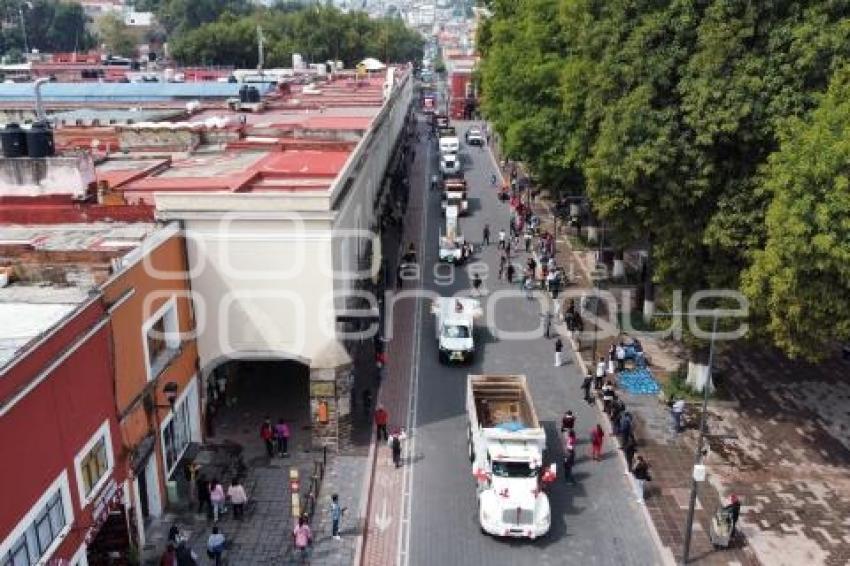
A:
[789,462]
[383,520]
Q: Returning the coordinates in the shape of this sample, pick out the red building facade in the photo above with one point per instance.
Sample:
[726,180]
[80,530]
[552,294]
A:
[61,443]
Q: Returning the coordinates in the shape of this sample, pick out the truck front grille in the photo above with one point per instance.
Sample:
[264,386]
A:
[518,516]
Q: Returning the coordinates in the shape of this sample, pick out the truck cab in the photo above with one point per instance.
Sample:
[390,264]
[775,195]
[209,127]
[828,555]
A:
[506,446]
[449,164]
[454,326]
[455,194]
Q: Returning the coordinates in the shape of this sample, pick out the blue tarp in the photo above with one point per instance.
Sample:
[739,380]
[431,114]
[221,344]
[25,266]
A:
[510,426]
[638,382]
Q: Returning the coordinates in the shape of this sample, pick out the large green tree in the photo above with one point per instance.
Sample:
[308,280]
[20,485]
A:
[319,33]
[663,113]
[800,281]
[48,25]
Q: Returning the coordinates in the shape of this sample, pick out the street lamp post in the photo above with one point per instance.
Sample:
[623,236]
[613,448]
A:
[689,523]
[596,293]
[698,454]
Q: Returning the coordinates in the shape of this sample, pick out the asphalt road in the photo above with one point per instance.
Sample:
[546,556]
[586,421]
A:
[594,522]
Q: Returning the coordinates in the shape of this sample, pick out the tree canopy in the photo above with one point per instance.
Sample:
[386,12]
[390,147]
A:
[319,33]
[667,115]
[51,25]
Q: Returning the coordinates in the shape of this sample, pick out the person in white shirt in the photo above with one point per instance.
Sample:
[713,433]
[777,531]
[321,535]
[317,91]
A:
[620,354]
[238,498]
[678,410]
[600,373]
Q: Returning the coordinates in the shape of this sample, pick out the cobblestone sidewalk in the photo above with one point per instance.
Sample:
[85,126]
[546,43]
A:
[786,455]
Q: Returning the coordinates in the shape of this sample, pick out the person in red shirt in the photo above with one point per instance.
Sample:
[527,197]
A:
[267,434]
[381,418]
[596,436]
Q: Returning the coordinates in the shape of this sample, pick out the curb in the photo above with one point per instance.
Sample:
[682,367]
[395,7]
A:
[365,499]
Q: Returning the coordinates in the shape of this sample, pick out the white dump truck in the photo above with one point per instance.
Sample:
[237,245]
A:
[506,444]
[455,328]
[451,240]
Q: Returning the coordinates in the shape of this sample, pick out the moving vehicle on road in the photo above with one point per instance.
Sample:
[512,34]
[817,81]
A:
[506,445]
[455,328]
[448,141]
[474,136]
[455,194]
[450,164]
[451,240]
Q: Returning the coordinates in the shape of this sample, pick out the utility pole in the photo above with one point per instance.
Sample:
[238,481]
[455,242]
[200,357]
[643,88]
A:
[698,455]
[23,27]
[689,523]
[261,41]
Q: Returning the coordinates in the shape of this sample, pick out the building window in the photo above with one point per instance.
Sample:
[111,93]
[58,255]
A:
[94,464]
[38,538]
[162,338]
[176,434]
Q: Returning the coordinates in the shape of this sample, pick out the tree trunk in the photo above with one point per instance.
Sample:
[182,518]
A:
[648,286]
[618,270]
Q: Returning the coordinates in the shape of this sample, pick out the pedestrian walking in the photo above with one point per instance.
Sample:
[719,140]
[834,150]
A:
[476,284]
[281,434]
[267,435]
[395,448]
[586,385]
[486,235]
[217,499]
[641,475]
[215,546]
[529,287]
[302,538]
[238,498]
[509,273]
[569,455]
[624,427]
[527,238]
[336,512]
[381,418]
[620,353]
[629,449]
[568,421]
[597,435]
[367,403]
[607,397]
[677,410]
[169,557]
[502,237]
[600,374]
[184,555]
[559,348]
[202,486]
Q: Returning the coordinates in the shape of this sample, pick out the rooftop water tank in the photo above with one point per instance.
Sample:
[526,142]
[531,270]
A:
[14,141]
[40,140]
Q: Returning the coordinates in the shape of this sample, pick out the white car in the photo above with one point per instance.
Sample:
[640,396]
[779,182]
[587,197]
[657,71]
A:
[474,136]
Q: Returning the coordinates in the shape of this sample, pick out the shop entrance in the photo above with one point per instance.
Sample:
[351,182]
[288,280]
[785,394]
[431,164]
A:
[246,392]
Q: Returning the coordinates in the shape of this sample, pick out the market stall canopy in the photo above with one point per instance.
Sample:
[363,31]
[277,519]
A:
[372,64]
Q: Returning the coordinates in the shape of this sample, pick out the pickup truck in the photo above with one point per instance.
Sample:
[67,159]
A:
[506,445]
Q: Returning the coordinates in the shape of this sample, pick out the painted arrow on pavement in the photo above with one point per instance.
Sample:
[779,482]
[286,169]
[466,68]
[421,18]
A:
[382,520]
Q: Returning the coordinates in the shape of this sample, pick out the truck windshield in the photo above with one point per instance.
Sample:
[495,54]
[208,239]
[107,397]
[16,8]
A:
[452,331]
[513,470]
